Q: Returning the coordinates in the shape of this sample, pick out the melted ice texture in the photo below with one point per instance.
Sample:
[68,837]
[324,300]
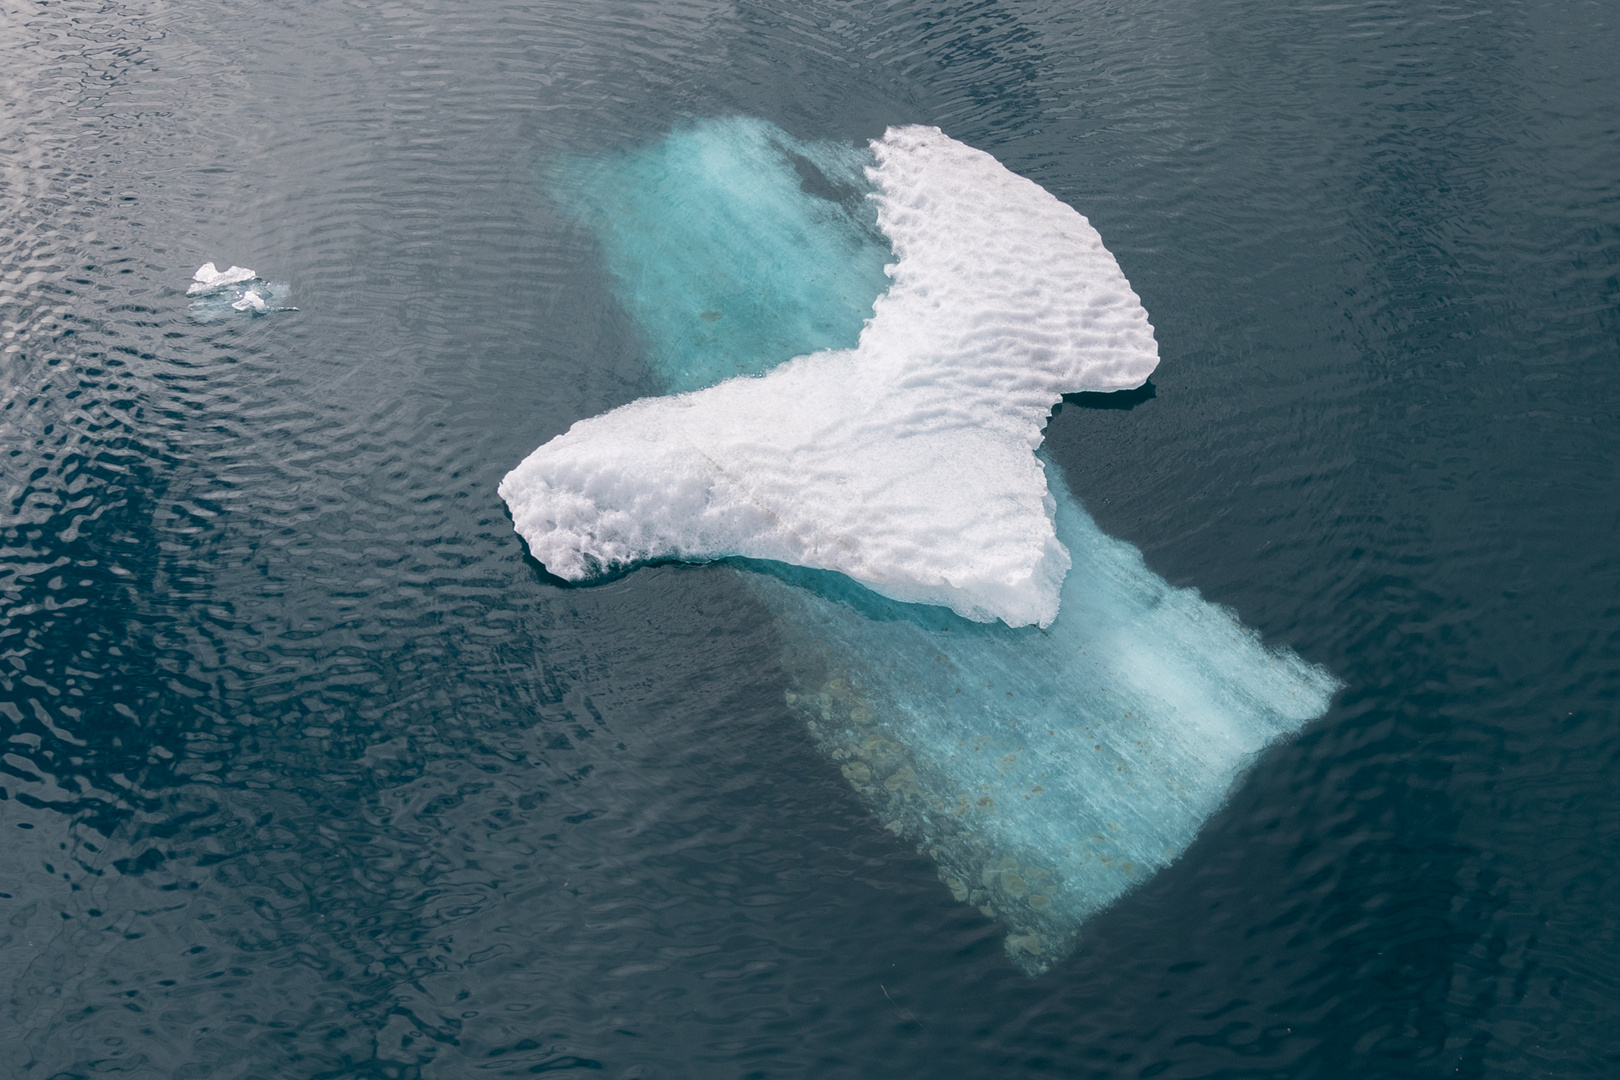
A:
[906,463]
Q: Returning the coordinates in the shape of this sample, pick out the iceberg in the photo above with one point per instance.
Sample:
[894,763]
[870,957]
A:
[906,463]
[1047,773]
[1052,723]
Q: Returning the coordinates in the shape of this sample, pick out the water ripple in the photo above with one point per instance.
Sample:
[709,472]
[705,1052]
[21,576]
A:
[307,773]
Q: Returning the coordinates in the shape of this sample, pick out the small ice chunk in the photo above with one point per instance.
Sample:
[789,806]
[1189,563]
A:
[259,298]
[208,279]
[250,300]
[220,292]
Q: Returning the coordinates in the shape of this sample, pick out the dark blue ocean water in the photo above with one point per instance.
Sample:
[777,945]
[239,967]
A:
[308,772]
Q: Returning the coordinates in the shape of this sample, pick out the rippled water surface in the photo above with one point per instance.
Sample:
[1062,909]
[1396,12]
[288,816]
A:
[309,772]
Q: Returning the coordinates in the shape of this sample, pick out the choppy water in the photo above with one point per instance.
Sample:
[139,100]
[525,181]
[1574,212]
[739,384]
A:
[309,773]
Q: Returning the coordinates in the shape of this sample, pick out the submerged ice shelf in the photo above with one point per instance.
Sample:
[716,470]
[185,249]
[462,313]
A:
[1046,771]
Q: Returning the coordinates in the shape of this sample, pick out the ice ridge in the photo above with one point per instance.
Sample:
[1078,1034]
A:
[906,463]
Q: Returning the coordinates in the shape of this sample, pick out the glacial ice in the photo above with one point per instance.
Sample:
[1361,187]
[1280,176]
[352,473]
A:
[1045,771]
[906,463]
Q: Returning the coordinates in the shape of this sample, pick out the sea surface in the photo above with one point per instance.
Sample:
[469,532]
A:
[308,771]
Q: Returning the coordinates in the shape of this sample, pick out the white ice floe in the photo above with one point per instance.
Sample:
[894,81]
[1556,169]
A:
[208,279]
[906,463]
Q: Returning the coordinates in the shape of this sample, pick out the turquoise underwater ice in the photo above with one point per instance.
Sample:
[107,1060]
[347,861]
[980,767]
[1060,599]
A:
[728,265]
[1047,773]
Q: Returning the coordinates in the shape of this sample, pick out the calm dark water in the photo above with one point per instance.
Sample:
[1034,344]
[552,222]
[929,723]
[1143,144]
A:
[308,773]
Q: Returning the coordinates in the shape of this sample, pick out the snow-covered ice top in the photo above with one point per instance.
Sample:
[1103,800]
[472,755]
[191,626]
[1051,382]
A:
[906,463]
